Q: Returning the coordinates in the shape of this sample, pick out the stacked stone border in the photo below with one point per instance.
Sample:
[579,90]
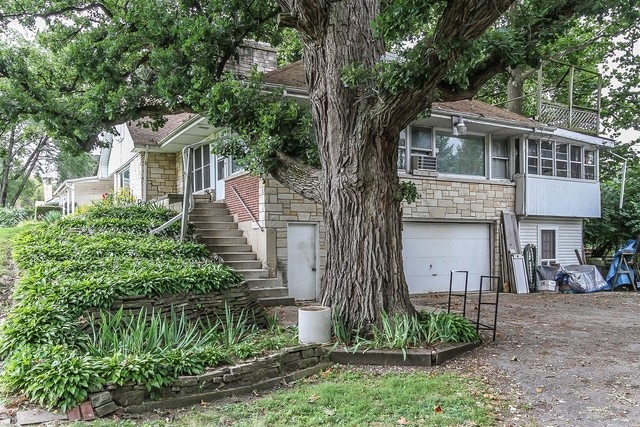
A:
[288,365]
[195,307]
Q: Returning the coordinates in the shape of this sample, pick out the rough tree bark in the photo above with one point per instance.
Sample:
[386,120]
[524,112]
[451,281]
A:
[357,138]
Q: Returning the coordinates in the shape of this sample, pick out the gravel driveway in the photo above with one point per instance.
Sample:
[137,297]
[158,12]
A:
[566,359]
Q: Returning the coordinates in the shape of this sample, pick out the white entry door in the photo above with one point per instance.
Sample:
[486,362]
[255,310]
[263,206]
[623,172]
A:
[221,174]
[302,261]
[431,250]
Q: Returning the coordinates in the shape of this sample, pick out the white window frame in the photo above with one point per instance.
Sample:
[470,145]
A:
[124,183]
[554,229]
[487,154]
[200,185]
[410,150]
[507,159]
[584,166]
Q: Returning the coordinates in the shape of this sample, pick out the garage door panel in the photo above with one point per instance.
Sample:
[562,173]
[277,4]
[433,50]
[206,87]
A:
[432,250]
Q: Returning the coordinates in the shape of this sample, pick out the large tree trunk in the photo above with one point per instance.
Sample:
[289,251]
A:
[362,214]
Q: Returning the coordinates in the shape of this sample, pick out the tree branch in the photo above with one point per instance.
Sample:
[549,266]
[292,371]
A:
[303,179]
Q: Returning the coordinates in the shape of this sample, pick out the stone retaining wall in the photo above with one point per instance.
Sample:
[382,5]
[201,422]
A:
[286,365]
[196,306]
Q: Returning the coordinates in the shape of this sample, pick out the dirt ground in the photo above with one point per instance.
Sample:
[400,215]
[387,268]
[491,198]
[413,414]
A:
[566,359]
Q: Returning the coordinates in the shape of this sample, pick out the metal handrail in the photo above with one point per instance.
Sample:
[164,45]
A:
[187,194]
[233,188]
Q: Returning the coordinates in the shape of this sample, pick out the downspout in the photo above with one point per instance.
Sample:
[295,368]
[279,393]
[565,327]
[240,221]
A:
[145,161]
[73,197]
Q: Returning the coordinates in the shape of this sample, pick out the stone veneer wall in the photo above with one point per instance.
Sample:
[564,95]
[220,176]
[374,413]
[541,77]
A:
[179,173]
[280,206]
[195,306]
[442,199]
[161,174]
[454,200]
[261,373]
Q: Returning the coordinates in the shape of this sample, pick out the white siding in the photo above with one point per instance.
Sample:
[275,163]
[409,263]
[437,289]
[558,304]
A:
[569,236]
[556,197]
[121,149]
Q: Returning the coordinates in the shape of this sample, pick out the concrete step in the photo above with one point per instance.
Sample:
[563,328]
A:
[237,256]
[254,274]
[216,241]
[219,249]
[208,217]
[252,284]
[238,266]
[281,291]
[212,232]
[214,225]
[276,301]
[207,209]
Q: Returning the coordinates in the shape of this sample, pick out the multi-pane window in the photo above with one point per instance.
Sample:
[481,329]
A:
[499,158]
[123,179]
[552,158]
[201,168]
[417,145]
[461,154]
[548,246]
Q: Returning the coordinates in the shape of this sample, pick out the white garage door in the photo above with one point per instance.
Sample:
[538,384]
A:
[432,250]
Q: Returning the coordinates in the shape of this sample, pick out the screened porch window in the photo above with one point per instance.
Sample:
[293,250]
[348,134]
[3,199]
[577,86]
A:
[201,168]
[553,158]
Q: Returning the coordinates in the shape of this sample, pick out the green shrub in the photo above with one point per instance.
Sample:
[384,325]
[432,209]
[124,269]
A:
[52,216]
[60,245]
[447,327]
[10,217]
[52,375]
[42,211]
[86,261]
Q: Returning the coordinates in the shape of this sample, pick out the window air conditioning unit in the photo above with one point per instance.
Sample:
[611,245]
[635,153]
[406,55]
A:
[420,162]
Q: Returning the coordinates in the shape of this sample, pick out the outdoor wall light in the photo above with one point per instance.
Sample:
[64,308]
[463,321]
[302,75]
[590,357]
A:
[457,126]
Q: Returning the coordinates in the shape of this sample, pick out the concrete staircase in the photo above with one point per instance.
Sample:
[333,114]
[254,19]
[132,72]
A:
[219,232]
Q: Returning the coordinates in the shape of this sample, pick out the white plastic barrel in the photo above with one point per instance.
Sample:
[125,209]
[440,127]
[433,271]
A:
[314,325]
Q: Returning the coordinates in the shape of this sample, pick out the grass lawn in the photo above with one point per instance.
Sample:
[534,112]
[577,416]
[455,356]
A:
[350,397]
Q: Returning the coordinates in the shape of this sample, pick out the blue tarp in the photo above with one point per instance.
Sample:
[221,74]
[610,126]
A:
[623,279]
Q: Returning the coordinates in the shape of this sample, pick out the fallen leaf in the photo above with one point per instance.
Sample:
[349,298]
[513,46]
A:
[204,404]
[402,421]
[329,412]
[313,398]
[514,359]
[539,389]
[437,409]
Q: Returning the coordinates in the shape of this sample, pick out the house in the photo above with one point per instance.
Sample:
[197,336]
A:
[472,164]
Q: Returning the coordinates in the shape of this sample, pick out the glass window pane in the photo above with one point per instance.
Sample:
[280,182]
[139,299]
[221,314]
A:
[197,180]
[463,155]
[499,168]
[561,151]
[197,158]
[421,137]
[561,168]
[532,165]
[206,175]
[546,150]
[206,156]
[576,153]
[547,167]
[576,170]
[532,147]
[402,152]
[499,147]
[548,244]
[220,175]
